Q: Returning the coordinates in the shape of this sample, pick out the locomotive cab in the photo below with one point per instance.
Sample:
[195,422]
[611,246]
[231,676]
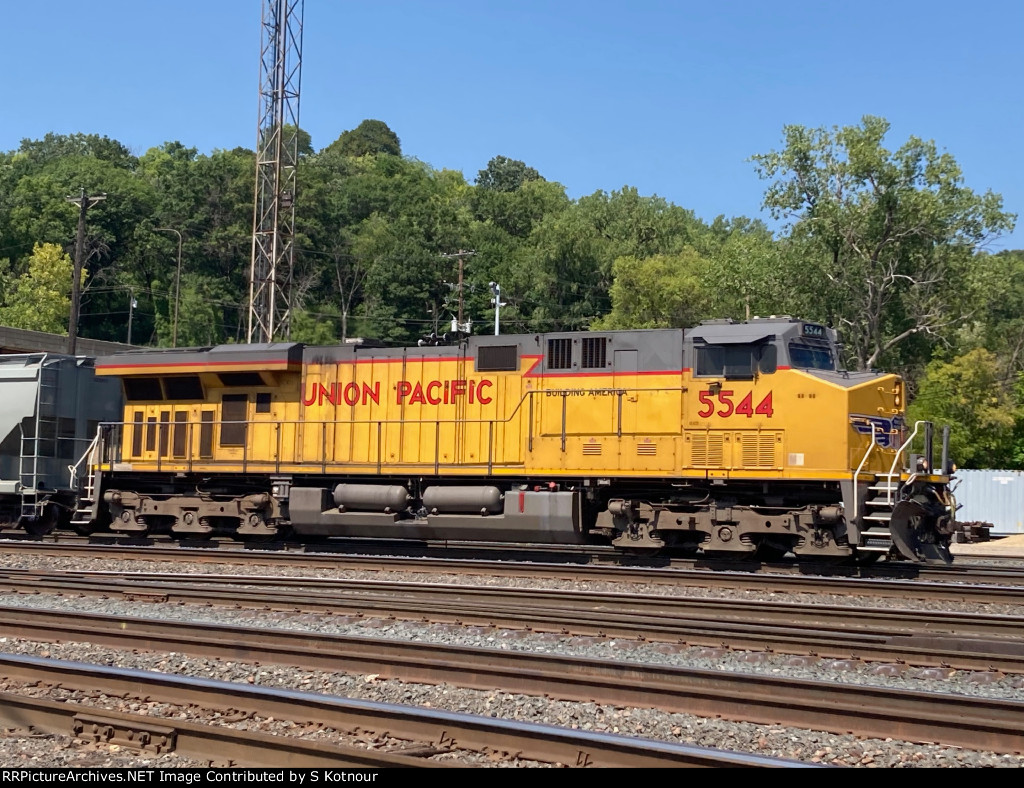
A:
[791,477]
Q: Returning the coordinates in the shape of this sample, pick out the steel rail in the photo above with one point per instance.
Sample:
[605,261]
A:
[970,582]
[216,745]
[941,651]
[444,730]
[870,711]
[613,613]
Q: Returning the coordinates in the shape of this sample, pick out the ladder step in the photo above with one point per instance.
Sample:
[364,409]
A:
[879,517]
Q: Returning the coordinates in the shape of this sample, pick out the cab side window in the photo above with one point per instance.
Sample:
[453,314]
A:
[736,361]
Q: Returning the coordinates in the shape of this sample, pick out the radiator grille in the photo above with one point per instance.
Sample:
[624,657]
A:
[759,450]
[707,450]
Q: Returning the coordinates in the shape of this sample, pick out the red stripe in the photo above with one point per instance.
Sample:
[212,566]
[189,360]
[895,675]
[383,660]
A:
[198,364]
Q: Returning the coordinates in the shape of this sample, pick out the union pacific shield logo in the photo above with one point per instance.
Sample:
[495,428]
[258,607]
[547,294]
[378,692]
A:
[887,431]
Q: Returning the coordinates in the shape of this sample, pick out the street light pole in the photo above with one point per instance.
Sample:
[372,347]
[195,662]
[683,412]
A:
[498,303]
[131,311]
[177,285]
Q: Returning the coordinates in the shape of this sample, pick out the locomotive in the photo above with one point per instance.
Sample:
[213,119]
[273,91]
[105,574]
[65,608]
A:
[729,439]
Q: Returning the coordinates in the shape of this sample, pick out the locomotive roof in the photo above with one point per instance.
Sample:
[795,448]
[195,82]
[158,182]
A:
[660,344]
[219,358]
[757,329]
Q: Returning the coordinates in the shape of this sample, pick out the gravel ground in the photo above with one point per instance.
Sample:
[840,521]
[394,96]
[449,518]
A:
[797,744]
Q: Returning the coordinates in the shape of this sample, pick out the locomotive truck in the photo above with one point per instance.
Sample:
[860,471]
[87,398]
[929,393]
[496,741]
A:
[731,438]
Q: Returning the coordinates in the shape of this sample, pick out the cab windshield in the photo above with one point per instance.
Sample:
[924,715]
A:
[804,356]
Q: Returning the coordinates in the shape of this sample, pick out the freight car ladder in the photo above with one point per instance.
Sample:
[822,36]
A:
[38,440]
[876,536]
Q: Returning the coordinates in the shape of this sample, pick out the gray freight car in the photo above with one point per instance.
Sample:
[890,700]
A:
[51,406]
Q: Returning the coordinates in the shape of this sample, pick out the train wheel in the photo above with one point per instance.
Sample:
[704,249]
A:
[773,550]
[42,525]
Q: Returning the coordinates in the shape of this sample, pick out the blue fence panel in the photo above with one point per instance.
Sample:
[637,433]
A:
[990,496]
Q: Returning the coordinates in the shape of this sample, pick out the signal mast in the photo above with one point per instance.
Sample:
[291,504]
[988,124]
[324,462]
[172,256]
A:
[277,155]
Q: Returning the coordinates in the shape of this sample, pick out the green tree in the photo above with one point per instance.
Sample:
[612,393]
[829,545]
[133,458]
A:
[40,300]
[378,227]
[661,291]
[37,210]
[519,211]
[54,147]
[890,236]
[998,319]
[749,274]
[971,394]
[568,271]
[503,174]
[369,137]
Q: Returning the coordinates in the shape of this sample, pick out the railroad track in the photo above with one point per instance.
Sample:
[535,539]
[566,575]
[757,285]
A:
[999,564]
[413,735]
[981,583]
[961,641]
[948,719]
[376,656]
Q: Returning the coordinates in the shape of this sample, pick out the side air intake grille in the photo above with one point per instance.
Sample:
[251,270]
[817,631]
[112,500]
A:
[759,449]
[707,450]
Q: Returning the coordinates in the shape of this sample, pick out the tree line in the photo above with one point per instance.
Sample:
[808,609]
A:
[888,244]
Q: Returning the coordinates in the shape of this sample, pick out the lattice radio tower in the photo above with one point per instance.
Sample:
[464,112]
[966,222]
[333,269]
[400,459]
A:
[277,155]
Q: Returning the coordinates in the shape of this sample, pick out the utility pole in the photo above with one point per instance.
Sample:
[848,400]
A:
[177,285]
[84,203]
[460,256]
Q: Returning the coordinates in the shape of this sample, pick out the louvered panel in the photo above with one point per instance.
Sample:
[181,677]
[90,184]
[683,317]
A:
[592,449]
[706,450]
[647,449]
[759,449]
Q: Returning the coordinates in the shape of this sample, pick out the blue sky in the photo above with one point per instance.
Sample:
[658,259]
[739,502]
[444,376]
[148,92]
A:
[670,97]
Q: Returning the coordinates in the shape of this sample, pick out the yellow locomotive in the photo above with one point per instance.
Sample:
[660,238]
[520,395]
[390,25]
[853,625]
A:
[732,438]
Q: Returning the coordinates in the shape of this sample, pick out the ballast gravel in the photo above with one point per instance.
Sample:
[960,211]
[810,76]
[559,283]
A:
[818,747]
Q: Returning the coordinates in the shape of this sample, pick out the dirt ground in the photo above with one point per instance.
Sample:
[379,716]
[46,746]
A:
[1005,545]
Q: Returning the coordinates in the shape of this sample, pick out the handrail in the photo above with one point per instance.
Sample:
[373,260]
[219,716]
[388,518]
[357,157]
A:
[73,469]
[896,459]
[856,473]
[377,424]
